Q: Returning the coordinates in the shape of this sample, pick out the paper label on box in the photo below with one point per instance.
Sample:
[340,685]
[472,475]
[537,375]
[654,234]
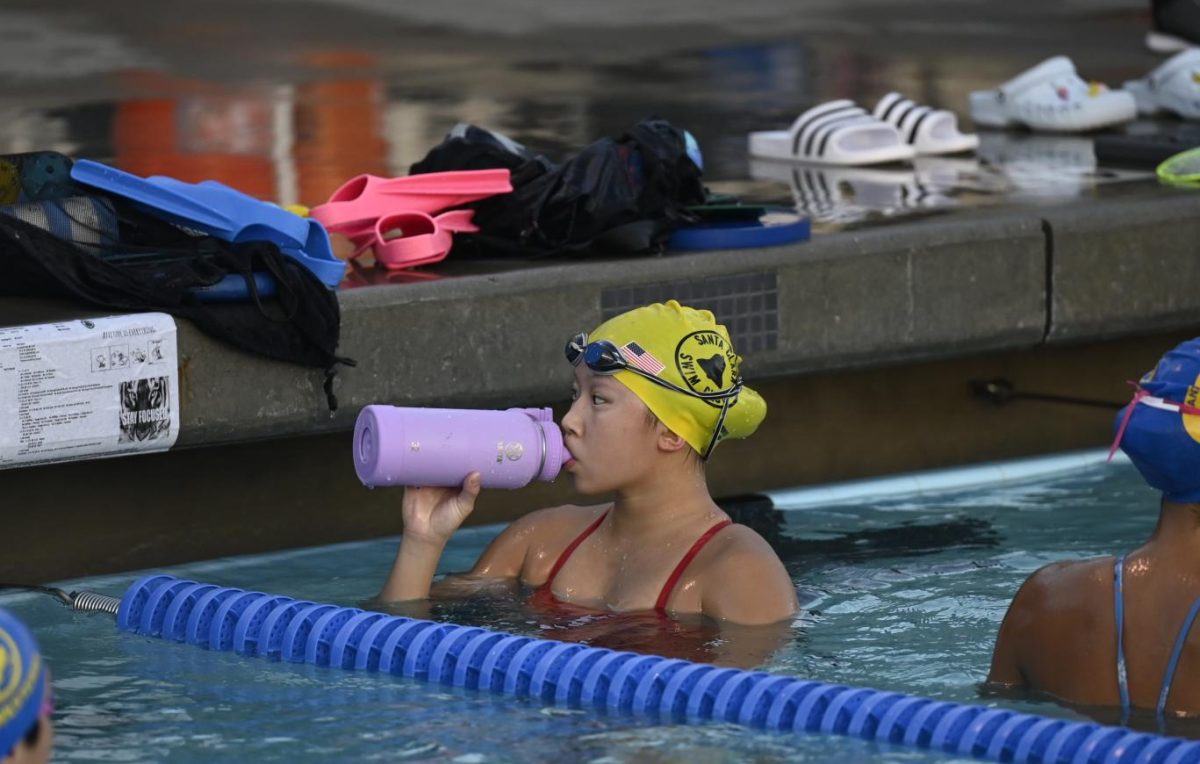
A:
[87,389]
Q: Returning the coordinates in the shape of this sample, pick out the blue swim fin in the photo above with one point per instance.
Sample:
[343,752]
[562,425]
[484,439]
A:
[210,207]
[222,212]
[316,254]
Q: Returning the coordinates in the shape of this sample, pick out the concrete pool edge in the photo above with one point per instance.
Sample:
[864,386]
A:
[951,479]
[883,298]
[913,292]
[909,293]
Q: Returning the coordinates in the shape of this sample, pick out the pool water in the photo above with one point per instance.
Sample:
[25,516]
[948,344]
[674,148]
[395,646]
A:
[902,594]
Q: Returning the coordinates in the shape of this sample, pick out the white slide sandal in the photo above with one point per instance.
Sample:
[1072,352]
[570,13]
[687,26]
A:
[928,130]
[835,133]
[1052,97]
[1173,87]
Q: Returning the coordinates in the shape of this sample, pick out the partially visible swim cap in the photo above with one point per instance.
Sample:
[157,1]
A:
[1162,441]
[22,682]
[696,354]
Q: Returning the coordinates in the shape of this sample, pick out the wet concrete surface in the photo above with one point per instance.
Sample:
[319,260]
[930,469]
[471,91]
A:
[286,101]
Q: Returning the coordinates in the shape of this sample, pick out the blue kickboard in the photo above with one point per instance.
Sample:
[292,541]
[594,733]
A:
[739,235]
[222,212]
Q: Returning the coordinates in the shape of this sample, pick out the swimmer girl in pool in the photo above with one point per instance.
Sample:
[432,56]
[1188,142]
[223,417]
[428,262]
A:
[1117,631]
[656,389]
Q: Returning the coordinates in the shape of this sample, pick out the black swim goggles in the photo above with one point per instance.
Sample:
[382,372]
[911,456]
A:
[603,357]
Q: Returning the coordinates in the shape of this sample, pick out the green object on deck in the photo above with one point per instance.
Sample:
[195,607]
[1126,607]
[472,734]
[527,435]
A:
[1183,169]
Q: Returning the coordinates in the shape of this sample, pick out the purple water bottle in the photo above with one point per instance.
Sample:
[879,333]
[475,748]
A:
[395,445]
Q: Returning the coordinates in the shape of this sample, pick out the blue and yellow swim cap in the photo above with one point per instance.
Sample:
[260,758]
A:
[695,354]
[1162,425]
[22,682]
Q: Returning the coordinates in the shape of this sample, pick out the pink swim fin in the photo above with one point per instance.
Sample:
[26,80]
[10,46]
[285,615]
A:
[422,239]
[354,208]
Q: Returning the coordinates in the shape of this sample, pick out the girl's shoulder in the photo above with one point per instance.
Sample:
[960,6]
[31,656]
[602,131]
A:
[1059,599]
[547,526]
[1073,575]
[523,548]
[739,540]
[737,550]
[545,533]
[742,579]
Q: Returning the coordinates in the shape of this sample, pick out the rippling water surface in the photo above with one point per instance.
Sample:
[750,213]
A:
[903,594]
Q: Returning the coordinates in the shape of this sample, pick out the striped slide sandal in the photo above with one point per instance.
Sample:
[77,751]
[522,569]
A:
[926,129]
[833,133]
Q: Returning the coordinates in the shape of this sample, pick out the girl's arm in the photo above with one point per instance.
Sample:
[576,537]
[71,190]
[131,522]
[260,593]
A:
[431,515]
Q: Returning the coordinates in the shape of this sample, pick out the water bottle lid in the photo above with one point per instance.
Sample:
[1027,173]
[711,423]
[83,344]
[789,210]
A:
[556,452]
[365,444]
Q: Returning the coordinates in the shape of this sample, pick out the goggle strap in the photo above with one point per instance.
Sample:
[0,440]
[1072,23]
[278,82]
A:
[576,351]
[723,395]
[1137,396]
[1144,398]
[1163,404]
[716,432]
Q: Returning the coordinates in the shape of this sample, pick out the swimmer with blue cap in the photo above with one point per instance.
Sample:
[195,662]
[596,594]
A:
[1118,631]
[656,391]
[26,730]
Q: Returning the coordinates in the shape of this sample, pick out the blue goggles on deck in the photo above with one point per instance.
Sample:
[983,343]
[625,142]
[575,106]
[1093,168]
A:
[603,357]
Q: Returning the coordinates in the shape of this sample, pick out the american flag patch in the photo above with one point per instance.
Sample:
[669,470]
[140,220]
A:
[636,356]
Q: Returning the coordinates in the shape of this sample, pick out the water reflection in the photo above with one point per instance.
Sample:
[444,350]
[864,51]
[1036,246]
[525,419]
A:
[848,195]
[1050,165]
[294,137]
[1008,168]
[373,274]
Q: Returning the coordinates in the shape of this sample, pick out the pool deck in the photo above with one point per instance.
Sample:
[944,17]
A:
[914,292]
[929,290]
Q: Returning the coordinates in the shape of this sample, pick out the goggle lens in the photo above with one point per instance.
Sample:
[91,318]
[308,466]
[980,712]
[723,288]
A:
[575,348]
[604,358]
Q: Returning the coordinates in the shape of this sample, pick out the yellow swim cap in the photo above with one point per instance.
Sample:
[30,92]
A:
[695,353]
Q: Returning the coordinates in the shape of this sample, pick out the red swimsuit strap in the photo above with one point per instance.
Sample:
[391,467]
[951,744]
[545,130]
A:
[566,553]
[661,605]
[672,581]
